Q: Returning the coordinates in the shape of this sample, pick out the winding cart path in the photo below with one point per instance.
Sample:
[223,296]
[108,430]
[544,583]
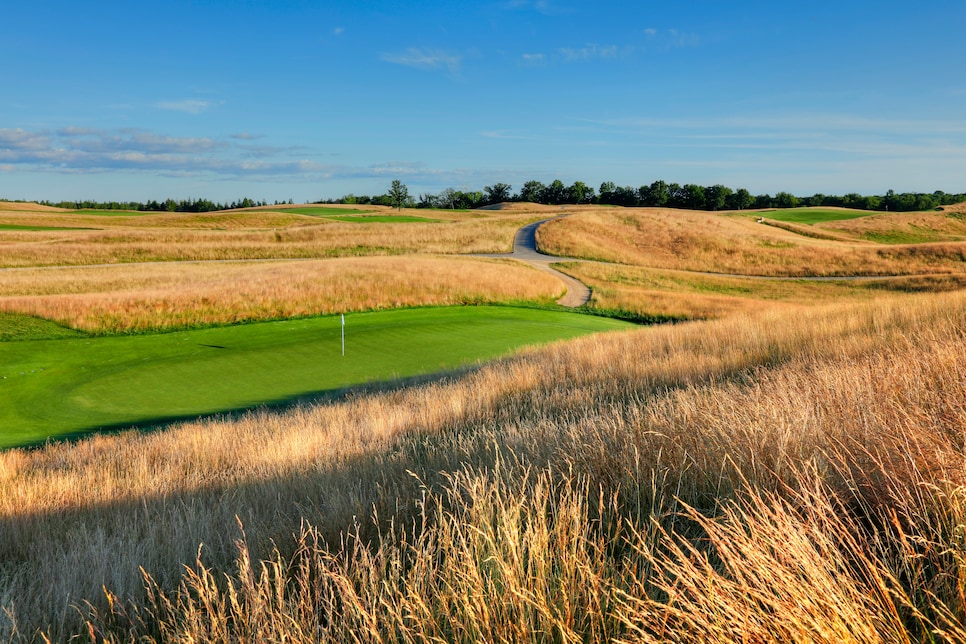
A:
[525,250]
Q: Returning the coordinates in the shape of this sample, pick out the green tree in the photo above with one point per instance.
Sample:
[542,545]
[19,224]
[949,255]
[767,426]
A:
[786,200]
[692,197]
[398,194]
[655,194]
[531,191]
[555,193]
[579,193]
[606,193]
[716,196]
[739,200]
[497,193]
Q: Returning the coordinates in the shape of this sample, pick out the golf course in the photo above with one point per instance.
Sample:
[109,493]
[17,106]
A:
[487,445]
[60,387]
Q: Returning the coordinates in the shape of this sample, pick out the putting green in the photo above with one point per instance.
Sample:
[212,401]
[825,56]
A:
[814,215]
[62,387]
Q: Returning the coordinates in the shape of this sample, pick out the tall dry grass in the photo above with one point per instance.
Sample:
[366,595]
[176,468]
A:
[701,241]
[938,226]
[686,295]
[777,476]
[123,298]
[249,236]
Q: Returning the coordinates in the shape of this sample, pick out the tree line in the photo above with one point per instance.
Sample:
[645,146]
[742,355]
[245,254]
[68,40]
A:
[168,205]
[657,194]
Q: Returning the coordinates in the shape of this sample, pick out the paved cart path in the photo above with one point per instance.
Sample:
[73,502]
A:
[525,250]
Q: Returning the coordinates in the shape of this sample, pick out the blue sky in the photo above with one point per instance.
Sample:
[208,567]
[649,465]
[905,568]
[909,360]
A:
[307,100]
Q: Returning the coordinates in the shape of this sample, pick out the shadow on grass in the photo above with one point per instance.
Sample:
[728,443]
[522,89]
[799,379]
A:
[323,396]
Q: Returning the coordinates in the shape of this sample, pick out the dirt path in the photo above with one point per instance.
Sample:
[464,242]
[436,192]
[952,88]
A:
[525,250]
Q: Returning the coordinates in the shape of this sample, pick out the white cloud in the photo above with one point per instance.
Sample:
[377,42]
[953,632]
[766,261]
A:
[544,7]
[533,59]
[338,31]
[429,59]
[589,52]
[506,136]
[21,140]
[188,106]
[75,150]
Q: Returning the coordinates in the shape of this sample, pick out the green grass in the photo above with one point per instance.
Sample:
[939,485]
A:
[115,213]
[354,216]
[59,388]
[384,219]
[18,227]
[16,328]
[903,236]
[323,212]
[813,215]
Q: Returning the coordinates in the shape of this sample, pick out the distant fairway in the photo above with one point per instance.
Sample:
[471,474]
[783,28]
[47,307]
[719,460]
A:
[38,228]
[51,388]
[815,215]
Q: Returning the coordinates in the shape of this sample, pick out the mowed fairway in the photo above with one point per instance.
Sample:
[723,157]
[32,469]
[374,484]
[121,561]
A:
[51,388]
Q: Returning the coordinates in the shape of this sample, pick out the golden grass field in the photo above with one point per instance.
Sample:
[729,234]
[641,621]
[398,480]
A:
[155,296]
[254,234]
[701,241]
[786,467]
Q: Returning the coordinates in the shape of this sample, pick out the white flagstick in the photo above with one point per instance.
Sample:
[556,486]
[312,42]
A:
[343,334]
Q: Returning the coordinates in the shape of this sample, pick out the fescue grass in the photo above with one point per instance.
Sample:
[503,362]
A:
[248,235]
[147,297]
[69,386]
[686,295]
[708,242]
[788,475]
[902,228]
[791,471]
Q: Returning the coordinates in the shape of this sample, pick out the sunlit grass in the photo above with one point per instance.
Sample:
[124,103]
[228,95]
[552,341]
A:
[706,242]
[788,478]
[144,297]
[65,386]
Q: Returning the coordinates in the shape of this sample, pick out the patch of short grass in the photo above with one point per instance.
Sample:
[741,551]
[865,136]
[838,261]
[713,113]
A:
[324,212]
[814,215]
[62,387]
[383,219]
[15,327]
[901,236]
[29,228]
[115,213]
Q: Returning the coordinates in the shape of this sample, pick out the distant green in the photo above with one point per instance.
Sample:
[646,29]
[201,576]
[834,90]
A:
[814,215]
[323,212]
[62,387]
[19,227]
[114,213]
[384,219]
[347,214]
